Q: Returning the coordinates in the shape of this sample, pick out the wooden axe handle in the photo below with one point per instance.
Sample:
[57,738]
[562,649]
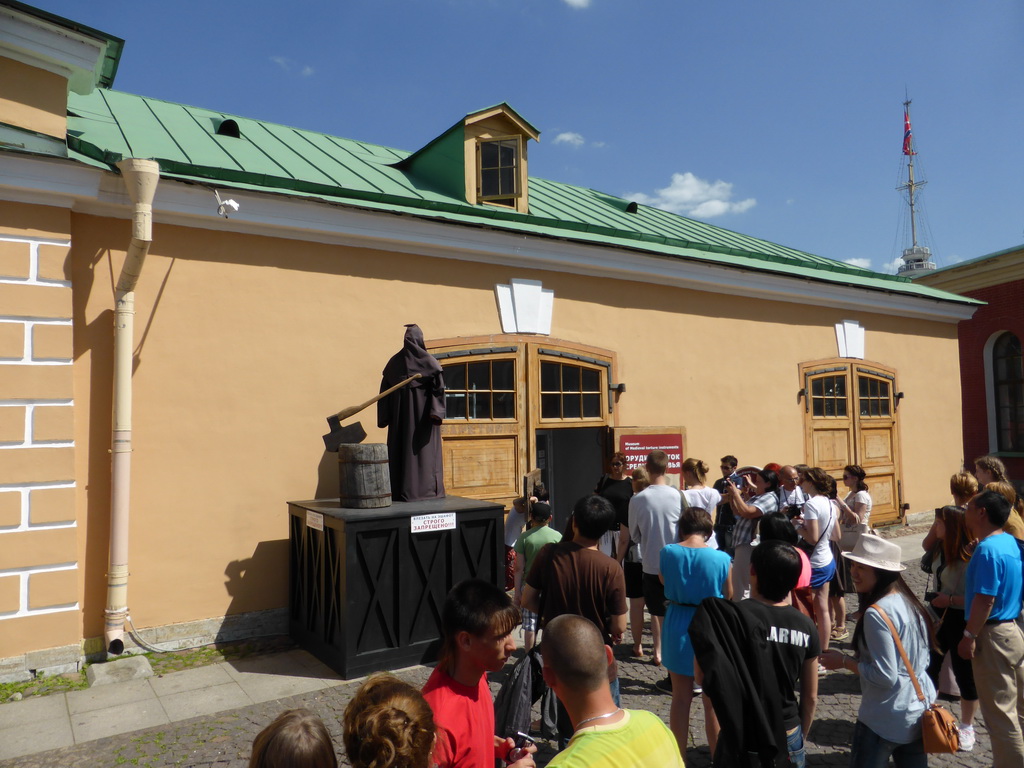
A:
[353,410]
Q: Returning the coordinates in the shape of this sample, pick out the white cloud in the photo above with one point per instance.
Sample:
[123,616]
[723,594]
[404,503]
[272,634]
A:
[862,263]
[578,3]
[890,267]
[597,144]
[570,138]
[289,65]
[692,196]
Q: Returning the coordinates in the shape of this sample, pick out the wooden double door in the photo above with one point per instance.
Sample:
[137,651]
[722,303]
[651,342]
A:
[850,417]
[515,403]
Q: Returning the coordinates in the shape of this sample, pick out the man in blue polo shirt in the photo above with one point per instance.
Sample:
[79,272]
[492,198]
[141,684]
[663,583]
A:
[992,638]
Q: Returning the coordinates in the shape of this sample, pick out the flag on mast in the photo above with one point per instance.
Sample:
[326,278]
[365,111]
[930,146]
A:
[908,136]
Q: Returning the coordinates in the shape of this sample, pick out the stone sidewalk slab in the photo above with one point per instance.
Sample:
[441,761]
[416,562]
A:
[107,696]
[190,680]
[266,678]
[118,719]
[204,701]
[33,725]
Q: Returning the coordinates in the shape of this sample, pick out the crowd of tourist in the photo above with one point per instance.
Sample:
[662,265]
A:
[745,583]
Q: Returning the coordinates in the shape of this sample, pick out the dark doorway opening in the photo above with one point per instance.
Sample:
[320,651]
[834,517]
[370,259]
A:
[571,462]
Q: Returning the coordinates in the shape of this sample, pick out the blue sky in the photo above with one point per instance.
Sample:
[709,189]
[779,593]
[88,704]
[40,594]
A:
[781,120]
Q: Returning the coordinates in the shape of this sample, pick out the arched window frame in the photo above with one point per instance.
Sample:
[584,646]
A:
[1014,394]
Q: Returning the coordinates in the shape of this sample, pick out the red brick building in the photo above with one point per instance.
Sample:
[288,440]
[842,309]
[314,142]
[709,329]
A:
[991,375]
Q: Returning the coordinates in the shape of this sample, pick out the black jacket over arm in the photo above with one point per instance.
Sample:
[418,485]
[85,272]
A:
[739,676]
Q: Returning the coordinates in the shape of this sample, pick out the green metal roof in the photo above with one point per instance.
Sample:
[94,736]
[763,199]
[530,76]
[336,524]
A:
[106,126]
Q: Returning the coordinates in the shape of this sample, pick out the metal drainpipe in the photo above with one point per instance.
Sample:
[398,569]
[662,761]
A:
[140,179]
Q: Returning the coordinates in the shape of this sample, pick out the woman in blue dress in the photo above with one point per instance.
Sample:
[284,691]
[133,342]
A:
[690,571]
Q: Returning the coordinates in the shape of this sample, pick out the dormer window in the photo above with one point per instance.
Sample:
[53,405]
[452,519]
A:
[499,170]
[481,159]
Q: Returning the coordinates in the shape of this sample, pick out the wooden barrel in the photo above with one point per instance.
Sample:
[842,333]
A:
[365,478]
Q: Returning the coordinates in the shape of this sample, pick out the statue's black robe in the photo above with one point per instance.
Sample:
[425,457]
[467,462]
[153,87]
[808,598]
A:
[413,416]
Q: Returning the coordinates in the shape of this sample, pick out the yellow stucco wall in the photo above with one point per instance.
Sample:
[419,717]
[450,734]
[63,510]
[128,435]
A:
[246,343]
[33,99]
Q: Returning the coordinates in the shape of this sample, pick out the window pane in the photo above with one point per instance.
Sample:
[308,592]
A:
[489,183]
[571,406]
[504,405]
[507,181]
[479,375]
[865,408]
[841,386]
[840,407]
[455,376]
[592,406]
[885,407]
[507,153]
[455,405]
[549,408]
[591,380]
[489,154]
[550,377]
[479,405]
[818,387]
[818,407]
[570,378]
[503,374]
[830,407]
[830,387]
[863,385]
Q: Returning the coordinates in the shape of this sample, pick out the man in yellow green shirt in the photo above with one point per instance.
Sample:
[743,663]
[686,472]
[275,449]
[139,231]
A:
[576,664]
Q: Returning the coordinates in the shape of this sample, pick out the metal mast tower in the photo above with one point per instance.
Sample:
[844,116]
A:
[916,258]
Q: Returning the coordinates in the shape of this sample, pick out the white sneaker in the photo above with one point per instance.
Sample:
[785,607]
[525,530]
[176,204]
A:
[967,738]
[822,671]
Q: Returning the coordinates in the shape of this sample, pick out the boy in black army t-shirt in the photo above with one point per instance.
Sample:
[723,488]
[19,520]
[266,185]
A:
[792,636]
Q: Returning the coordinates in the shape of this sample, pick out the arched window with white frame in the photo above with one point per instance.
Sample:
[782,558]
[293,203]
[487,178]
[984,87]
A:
[1007,391]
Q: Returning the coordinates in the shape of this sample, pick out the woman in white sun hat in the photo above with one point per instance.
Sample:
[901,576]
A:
[889,719]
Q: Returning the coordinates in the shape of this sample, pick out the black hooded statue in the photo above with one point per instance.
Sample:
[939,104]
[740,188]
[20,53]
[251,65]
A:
[413,416]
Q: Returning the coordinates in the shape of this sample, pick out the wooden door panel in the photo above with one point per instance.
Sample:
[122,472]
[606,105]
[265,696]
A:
[884,498]
[831,448]
[482,467]
[877,446]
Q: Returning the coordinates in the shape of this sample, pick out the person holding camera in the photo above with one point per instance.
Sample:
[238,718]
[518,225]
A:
[765,485]
[725,520]
[791,495]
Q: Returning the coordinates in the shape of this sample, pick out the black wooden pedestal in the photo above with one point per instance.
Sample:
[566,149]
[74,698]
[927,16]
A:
[365,593]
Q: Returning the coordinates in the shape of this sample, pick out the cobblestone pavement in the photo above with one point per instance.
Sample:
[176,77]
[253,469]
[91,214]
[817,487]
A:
[223,740]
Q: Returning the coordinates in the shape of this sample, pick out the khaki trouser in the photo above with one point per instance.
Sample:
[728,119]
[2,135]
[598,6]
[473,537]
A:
[999,675]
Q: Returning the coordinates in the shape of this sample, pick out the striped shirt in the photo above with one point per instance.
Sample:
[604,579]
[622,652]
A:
[743,533]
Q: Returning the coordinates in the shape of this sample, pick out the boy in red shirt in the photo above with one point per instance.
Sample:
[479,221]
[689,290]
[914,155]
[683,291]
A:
[477,620]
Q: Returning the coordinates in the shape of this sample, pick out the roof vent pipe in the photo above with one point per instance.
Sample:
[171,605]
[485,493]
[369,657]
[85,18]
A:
[140,179]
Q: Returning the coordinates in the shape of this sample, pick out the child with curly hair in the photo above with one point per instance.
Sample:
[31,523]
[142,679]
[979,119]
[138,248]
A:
[388,724]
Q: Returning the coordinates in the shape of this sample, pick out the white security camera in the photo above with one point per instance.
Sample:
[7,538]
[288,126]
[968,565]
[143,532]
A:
[225,207]
[228,206]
